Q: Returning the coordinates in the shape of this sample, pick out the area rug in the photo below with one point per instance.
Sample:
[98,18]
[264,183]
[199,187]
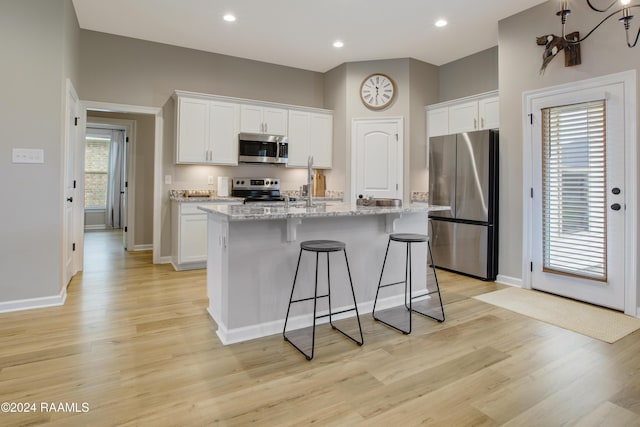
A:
[600,323]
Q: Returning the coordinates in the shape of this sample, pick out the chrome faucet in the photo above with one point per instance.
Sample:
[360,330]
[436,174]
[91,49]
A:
[309,179]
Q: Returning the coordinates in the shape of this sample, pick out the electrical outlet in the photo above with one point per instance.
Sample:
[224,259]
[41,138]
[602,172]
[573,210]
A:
[210,180]
[167,179]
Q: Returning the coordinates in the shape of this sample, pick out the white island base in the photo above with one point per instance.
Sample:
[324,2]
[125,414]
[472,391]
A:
[251,263]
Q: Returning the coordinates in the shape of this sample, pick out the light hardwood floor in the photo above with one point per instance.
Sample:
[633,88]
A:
[134,341]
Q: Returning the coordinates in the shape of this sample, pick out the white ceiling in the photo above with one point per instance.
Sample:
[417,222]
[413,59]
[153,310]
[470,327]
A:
[300,33]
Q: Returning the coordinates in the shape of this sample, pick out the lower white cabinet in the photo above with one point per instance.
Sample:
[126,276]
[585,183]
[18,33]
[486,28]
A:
[189,235]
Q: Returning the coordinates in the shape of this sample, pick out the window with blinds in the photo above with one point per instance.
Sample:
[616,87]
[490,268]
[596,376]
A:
[574,223]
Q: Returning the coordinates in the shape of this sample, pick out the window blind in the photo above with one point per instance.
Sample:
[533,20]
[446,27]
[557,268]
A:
[574,190]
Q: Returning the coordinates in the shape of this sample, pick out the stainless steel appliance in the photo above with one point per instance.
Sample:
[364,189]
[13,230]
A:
[257,189]
[463,174]
[263,148]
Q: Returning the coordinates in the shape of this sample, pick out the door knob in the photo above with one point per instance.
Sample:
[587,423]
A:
[615,190]
[70,199]
[616,206]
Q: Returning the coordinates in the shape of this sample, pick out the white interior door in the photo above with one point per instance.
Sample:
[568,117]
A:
[70,197]
[378,158]
[124,192]
[579,195]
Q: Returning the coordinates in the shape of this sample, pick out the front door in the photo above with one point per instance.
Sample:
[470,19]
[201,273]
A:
[578,195]
[378,158]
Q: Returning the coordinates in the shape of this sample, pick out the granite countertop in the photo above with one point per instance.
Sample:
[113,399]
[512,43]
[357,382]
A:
[210,199]
[253,212]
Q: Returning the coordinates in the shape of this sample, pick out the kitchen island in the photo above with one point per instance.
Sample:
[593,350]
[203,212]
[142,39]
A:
[253,250]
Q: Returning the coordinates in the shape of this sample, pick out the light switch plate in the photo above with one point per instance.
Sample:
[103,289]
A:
[167,179]
[210,180]
[28,155]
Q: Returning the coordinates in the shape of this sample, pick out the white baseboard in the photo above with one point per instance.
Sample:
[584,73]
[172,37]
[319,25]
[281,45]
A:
[189,266]
[164,260]
[95,227]
[29,304]
[246,333]
[141,248]
[510,281]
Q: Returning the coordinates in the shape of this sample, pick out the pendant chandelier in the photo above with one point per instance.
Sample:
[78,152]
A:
[624,13]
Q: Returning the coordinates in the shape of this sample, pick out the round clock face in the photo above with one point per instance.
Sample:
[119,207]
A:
[377,91]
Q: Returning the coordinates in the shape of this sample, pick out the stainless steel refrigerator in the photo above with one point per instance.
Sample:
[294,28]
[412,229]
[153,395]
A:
[463,174]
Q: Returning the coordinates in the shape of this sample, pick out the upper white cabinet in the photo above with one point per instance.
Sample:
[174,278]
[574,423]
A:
[310,134]
[489,112]
[207,131]
[465,115]
[438,121]
[207,128]
[259,119]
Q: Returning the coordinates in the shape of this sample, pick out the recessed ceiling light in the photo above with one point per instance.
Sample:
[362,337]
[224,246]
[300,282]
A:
[338,43]
[441,23]
[229,17]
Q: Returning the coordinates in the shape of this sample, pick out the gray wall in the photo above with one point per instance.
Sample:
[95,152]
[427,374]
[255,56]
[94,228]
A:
[143,175]
[130,71]
[39,52]
[147,75]
[474,74]
[416,83]
[605,52]
[424,91]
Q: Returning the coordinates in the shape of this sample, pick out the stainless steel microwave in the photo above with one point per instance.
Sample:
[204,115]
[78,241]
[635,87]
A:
[263,148]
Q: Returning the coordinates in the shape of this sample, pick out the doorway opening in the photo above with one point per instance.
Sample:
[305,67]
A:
[144,127]
[108,149]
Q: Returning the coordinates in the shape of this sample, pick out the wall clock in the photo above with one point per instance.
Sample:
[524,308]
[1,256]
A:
[377,91]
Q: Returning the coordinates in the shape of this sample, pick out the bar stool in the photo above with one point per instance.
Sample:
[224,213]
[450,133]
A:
[432,308]
[321,246]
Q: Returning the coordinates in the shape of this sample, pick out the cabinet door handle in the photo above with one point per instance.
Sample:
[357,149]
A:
[482,122]
[475,123]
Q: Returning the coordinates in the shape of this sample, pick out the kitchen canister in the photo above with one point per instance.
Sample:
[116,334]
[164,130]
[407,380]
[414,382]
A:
[224,185]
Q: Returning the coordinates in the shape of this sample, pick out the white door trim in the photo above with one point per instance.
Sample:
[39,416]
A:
[399,121]
[157,162]
[628,79]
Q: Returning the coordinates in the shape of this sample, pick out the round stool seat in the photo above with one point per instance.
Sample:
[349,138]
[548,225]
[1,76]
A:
[322,245]
[408,237]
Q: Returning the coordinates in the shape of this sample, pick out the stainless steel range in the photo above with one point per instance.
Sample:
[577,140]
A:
[257,189]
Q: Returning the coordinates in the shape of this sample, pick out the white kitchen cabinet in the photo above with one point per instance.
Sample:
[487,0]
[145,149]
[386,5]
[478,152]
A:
[224,122]
[310,134]
[192,130]
[438,121]
[189,235]
[260,119]
[207,131]
[321,146]
[464,115]
[489,112]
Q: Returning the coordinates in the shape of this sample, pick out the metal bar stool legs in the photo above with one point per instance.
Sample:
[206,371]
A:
[433,306]
[318,246]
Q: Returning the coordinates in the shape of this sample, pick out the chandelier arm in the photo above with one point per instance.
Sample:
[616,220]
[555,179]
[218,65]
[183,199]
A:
[636,40]
[594,28]
[599,10]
